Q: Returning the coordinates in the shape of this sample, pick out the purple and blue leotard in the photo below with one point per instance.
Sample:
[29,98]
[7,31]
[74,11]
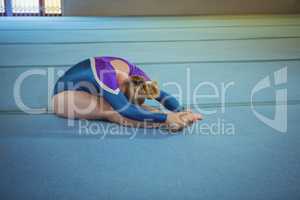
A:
[97,76]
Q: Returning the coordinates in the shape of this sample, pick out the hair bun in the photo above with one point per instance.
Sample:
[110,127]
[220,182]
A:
[151,89]
[137,80]
[137,89]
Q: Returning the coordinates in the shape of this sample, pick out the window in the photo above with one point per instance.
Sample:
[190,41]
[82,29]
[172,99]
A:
[30,7]
[2,8]
[25,6]
[53,6]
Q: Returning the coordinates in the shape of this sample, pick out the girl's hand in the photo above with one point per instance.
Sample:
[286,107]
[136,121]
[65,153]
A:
[196,116]
[178,121]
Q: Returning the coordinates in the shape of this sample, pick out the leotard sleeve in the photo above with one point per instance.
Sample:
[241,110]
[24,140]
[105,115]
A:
[169,101]
[120,103]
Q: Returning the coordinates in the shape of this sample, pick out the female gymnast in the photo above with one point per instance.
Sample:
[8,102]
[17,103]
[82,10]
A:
[114,89]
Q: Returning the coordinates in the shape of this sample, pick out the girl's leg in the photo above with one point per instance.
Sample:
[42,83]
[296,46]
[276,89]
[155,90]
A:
[82,105]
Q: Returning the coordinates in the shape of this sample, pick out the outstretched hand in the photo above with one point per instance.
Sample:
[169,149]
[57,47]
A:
[180,120]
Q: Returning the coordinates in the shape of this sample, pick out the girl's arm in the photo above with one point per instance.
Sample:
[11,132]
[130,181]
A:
[120,103]
[169,101]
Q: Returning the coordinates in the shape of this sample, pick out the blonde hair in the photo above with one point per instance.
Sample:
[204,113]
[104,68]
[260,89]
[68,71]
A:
[137,89]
